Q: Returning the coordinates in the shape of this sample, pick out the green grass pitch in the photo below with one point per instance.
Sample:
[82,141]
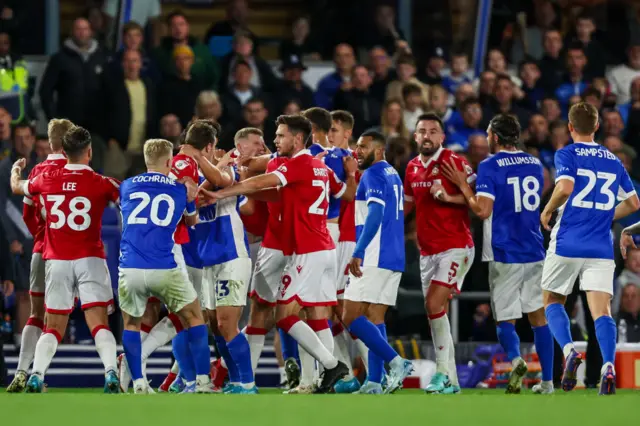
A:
[89,407]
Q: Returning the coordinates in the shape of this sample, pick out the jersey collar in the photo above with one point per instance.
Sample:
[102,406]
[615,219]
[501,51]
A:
[56,157]
[513,152]
[304,151]
[77,167]
[433,158]
[588,143]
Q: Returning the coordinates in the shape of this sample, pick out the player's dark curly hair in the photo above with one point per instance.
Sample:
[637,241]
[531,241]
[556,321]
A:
[200,134]
[507,128]
[75,142]
[297,124]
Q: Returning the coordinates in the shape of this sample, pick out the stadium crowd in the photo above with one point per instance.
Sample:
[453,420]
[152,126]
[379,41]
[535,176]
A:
[153,87]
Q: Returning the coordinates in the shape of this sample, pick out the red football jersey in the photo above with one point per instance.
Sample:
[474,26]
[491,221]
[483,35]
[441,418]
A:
[256,223]
[441,226]
[272,233]
[32,211]
[307,184]
[347,220]
[74,198]
[183,166]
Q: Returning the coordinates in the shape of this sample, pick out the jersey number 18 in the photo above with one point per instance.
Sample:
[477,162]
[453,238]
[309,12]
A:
[530,199]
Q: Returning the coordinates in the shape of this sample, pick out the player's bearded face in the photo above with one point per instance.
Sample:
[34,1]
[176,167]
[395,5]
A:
[366,160]
[429,137]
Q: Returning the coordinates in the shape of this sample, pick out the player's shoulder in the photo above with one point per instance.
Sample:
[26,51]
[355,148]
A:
[448,154]
[182,161]
[274,163]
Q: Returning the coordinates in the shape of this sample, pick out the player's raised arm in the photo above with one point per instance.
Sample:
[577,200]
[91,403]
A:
[18,186]
[246,187]
[480,205]
[350,168]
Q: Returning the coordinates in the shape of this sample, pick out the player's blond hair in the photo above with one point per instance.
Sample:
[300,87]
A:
[245,132]
[157,150]
[56,130]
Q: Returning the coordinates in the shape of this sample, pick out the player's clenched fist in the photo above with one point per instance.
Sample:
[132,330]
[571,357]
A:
[350,165]
[626,240]
[354,267]
[545,218]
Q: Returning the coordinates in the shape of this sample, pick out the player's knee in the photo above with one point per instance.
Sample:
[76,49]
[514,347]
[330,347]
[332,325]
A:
[433,306]
[37,309]
[537,318]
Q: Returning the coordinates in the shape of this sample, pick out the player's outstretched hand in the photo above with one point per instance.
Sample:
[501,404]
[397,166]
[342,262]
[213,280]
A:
[545,218]
[350,165]
[453,173]
[626,241]
[192,188]
[354,267]
[20,164]
[191,152]
[208,197]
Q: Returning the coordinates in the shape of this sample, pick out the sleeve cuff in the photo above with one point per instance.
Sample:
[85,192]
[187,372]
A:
[471,178]
[341,192]
[567,177]
[28,201]
[408,198]
[283,180]
[173,176]
[375,200]
[486,195]
[25,188]
[622,196]
[188,213]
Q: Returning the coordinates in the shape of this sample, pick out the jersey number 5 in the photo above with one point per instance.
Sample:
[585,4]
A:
[155,206]
[324,195]
[75,212]
[530,199]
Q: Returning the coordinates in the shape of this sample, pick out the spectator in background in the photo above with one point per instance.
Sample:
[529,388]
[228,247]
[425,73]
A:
[438,102]
[504,102]
[392,124]
[612,124]
[240,91]
[575,81]
[208,106]
[621,77]
[204,67]
[496,61]
[359,101]
[384,32]
[142,12]
[293,87]
[471,112]
[464,91]
[478,150]
[552,64]
[237,21]
[538,130]
[625,109]
[613,144]
[300,43]
[170,129]
[6,144]
[529,43]
[177,93]
[436,63]
[627,155]
[459,72]
[132,118]
[594,51]
[406,73]
[533,93]
[593,96]
[413,105]
[628,320]
[133,39]
[262,75]
[383,73]
[98,25]
[559,137]
[486,87]
[14,76]
[254,114]
[550,109]
[292,108]
[75,78]
[42,148]
[399,152]
[329,85]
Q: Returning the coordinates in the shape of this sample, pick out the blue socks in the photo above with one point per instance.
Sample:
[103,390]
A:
[239,350]
[375,369]
[606,333]
[133,352]
[234,374]
[199,348]
[372,338]
[559,324]
[509,340]
[182,354]
[543,340]
[289,346]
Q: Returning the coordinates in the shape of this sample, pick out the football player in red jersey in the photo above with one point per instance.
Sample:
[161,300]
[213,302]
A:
[74,198]
[308,280]
[34,220]
[444,237]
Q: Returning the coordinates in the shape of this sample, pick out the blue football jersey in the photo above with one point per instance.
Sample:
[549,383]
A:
[381,184]
[224,237]
[190,249]
[151,205]
[583,225]
[333,160]
[513,180]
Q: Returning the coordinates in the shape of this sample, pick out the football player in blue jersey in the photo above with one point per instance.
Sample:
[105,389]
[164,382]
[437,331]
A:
[377,263]
[589,178]
[152,205]
[509,189]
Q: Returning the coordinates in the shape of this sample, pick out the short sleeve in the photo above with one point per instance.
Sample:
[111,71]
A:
[374,188]
[565,165]
[485,185]
[184,167]
[33,186]
[408,190]
[288,174]
[336,186]
[626,188]
[471,175]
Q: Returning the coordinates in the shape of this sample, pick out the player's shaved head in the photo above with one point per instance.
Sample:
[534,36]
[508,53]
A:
[504,129]
[583,119]
[320,119]
[157,153]
[76,142]
[370,148]
[56,130]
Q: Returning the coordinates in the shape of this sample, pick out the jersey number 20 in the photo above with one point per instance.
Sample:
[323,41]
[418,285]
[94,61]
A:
[155,206]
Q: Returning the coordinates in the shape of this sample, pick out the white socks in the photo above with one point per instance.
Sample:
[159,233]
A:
[307,339]
[453,368]
[341,351]
[307,367]
[106,348]
[29,340]
[255,337]
[174,368]
[45,350]
[364,352]
[441,335]
[160,335]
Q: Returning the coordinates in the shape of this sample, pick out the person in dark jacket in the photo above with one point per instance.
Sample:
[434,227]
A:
[243,49]
[552,64]
[293,87]
[237,20]
[133,39]
[76,74]
[359,101]
[178,93]
[238,93]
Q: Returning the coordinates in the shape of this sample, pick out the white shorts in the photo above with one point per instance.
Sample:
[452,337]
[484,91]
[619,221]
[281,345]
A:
[309,279]
[226,284]
[560,273]
[515,289]
[267,275]
[87,277]
[36,275]
[179,257]
[447,269]
[376,285]
[171,286]
[344,252]
[195,277]
[334,231]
